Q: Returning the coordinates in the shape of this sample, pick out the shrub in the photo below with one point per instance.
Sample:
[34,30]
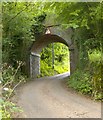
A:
[80,81]
[88,82]
[11,78]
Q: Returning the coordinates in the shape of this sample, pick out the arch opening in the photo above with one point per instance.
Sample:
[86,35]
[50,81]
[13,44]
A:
[54,59]
[44,40]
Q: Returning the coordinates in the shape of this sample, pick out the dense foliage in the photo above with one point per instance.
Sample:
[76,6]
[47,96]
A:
[12,78]
[17,21]
[57,63]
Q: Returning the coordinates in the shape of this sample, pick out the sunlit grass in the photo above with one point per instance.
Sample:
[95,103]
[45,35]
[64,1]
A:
[95,56]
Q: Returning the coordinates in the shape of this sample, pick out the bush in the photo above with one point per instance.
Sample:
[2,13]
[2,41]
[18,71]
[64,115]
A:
[11,78]
[88,82]
[80,81]
[97,80]
[59,61]
[46,70]
[8,108]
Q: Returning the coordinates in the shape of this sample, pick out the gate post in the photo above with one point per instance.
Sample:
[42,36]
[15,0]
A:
[34,65]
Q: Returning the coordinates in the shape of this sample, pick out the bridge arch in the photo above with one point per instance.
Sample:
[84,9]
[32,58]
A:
[45,39]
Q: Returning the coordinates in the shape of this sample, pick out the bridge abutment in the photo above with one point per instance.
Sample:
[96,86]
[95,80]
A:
[34,65]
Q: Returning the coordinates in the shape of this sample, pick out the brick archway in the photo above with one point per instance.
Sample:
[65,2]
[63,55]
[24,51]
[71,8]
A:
[42,42]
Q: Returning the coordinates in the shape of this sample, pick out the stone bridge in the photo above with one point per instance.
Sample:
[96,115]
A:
[53,33]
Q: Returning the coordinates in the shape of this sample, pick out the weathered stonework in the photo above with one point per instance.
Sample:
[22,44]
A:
[34,65]
[53,34]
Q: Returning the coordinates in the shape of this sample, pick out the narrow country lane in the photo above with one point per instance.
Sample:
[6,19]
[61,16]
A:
[48,97]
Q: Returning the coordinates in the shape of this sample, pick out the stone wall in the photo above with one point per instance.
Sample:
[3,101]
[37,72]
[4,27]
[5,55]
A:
[34,65]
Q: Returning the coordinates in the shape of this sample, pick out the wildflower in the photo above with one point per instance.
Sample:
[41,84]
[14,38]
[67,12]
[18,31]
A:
[9,66]
[6,89]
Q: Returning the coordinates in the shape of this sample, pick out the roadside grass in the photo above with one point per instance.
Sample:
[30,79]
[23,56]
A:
[10,80]
[89,81]
[95,56]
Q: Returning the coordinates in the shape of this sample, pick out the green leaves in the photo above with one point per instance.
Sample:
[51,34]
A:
[89,81]
[80,81]
[7,108]
[61,60]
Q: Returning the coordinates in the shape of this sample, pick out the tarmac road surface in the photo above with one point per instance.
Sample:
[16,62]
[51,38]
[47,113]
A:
[49,97]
